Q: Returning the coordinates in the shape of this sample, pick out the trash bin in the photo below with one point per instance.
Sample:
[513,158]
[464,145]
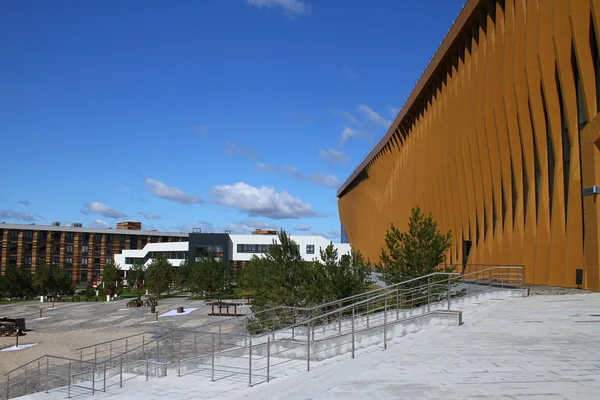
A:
[152,309]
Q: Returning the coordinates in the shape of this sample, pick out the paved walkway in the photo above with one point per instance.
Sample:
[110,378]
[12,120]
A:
[541,347]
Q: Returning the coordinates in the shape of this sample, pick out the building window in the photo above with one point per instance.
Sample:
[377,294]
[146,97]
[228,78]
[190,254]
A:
[84,274]
[12,248]
[56,236]
[28,247]
[121,238]
[84,261]
[55,260]
[310,249]
[56,248]
[69,261]
[96,261]
[14,235]
[69,249]
[70,236]
[86,237]
[109,237]
[27,261]
[96,273]
[133,242]
[28,235]
[42,249]
[97,237]
[96,249]
[154,239]
[12,260]
[109,250]
[84,249]
[42,236]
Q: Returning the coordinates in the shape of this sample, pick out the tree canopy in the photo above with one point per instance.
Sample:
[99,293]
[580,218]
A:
[159,275]
[417,252]
[111,279]
[52,280]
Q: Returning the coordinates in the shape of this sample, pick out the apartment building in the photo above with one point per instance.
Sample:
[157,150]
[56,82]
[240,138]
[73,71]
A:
[83,252]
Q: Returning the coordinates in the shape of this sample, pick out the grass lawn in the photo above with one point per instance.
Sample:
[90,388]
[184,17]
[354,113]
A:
[16,301]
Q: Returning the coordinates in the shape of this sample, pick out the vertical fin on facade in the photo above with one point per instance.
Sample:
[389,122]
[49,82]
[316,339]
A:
[525,185]
[536,166]
[513,191]
[566,140]
[551,157]
[477,229]
[494,214]
[485,223]
[595,59]
[503,205]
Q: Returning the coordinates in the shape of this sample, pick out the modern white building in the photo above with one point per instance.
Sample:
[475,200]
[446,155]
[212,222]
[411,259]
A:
[237,249]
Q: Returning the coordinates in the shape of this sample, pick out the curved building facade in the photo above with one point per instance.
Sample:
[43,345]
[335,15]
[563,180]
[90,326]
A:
[500,141]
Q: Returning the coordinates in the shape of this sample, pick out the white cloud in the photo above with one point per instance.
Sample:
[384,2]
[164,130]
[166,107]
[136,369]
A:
[263,201]
[373,116]
[333,156]
[328,234]
[292,7]
[349,133]
[97,207]
[318,178]
[347,116]
[98,223]
[200,130]
[25,202]
[163,191]
[16,215]
[301,227]
[393,111]
[235,149]
[149,215]
[349,72]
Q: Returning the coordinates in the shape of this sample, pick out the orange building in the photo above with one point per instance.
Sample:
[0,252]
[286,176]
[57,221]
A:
[500,141]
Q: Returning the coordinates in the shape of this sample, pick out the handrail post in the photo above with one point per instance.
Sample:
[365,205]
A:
[352,332]
[428,293]
[308,346]
[397,304]
[268,358]
[179,364]
[37,385]
[110,350]
[449,291]
[47,372]
[147,362]
[250,364]
[385,306]
[69,389]
[367,312]
[8,385]
[340,319]
[95,354]
[93,380]
[212,379]
[104,379]
[121,374]
[195,345]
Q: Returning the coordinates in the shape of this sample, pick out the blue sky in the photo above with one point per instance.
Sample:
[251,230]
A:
[222,114]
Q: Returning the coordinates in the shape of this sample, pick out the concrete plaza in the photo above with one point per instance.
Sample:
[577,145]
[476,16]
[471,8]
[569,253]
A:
[540,347]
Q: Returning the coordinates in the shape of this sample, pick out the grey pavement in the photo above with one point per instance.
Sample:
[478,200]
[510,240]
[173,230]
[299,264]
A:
[540,347]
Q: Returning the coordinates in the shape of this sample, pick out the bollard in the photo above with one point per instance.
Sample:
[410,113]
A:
[156,313]
[41,308]
[18,331]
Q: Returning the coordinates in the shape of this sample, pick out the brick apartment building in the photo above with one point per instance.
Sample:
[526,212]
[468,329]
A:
[83,252]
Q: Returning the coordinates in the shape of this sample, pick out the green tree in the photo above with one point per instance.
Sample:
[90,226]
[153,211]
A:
[210,276]
[111,279]
[418,252]
[3,287]
[183,275]
[135,277]
[159,275]
[280,277]
[52,280]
